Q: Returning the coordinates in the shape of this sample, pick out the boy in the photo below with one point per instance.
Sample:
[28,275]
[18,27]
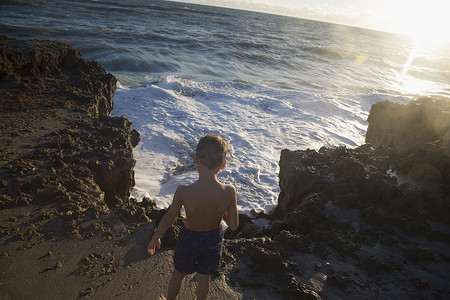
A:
[206,202]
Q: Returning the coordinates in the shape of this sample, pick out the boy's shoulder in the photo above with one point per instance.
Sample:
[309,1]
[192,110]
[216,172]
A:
[229,189]
[228,186]
[182,187]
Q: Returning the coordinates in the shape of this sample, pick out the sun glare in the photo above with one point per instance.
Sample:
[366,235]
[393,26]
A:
[426,21]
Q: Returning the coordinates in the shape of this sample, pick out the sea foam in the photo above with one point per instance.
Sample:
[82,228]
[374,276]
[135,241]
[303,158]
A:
[258,122]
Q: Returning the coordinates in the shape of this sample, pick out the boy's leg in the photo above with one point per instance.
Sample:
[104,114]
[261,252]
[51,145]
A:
[203,286]
[175,284]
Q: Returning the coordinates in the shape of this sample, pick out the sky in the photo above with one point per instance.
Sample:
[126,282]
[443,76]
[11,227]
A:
[426,19]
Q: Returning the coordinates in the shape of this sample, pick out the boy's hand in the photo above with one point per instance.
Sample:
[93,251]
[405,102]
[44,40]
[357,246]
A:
[153,245]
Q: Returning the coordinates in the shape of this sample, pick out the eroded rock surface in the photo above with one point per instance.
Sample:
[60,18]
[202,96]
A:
[60,151]
[368,222]
[47,74]
[418,137]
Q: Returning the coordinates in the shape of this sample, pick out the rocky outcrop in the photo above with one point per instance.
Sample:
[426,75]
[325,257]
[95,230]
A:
[418,137]
[411,126]
[381,210]
[51,74]
[59,149]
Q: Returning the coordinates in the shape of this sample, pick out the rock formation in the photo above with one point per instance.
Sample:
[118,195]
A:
[378,210]
[407,127]
[59,148]
[48,74]
[418,137]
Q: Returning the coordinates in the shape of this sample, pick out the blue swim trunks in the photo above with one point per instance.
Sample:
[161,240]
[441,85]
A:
[198,251]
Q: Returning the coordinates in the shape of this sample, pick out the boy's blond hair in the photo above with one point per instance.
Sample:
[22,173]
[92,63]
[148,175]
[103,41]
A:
[211,151]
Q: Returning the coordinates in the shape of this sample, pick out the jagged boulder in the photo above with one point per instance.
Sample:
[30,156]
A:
[301,173]
[410,126]
[418,136]
[52,74]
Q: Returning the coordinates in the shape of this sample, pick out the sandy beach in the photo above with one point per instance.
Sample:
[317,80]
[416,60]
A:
[101,267]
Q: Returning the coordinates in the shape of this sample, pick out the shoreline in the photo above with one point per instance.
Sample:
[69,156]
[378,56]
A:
[343,227]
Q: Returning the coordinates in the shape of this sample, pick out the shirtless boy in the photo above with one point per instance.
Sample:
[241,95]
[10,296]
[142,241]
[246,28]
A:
[206,202]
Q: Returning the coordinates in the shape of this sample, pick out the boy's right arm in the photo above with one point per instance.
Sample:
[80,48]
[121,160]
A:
[166,222]
[231,216]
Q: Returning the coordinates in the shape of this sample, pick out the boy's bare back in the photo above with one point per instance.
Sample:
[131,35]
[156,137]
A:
[206,202]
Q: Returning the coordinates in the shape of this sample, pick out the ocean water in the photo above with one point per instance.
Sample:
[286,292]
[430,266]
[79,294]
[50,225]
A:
[263,82]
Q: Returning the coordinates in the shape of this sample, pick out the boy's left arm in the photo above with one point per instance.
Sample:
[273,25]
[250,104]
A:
[231,216]
[166,222]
